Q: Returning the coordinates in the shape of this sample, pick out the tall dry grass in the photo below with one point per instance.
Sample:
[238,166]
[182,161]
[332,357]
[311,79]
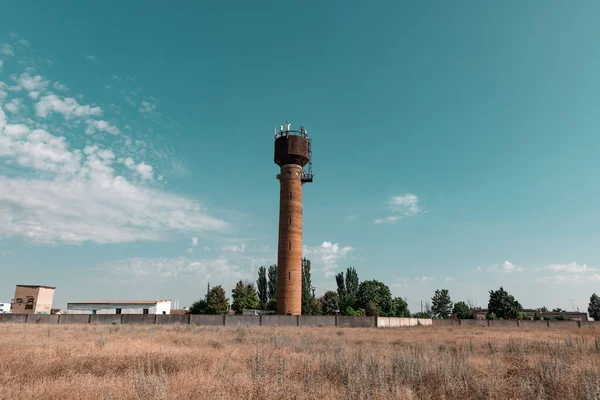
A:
[189,362]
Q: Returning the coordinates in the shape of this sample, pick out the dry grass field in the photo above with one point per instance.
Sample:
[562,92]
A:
[189,362]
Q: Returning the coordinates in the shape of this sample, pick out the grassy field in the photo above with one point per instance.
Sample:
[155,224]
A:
[188,362]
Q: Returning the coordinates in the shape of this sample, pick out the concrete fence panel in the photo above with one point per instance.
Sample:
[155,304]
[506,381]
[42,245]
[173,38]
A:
[394,322]
[316,320]
[138,319]
[404,321]
[424,321]
[473,322]
[207,319]
[445,322]
[280,320]
[15,318]
[527,323]
[563,324]
[355,322]
[503,323]
[590,324]
[74,319]
[42,319]
[252,320]
[382,322]
[172,319]
[105,319]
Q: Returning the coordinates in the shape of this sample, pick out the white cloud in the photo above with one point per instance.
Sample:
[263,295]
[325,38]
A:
[234,248]
[3,93]
[506,267]
[68,107]
[102,126]
[23,42]
[450,279]
[570,268]
[13,106]
[90,57]
[401,207]
[217,269]
[1,64]
[194,241]
[145,171]
[32,84]
[60,87]
[6,49]
[327,255]
[147,107]
[570,279]
[423,279]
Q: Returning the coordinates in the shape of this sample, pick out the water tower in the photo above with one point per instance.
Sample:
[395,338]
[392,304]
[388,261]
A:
[292,153]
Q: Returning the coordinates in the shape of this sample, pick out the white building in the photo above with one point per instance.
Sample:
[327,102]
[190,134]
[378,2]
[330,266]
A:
[5,308]
[120,307]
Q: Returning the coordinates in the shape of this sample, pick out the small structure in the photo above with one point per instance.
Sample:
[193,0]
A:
[252,311]
[5,308]
[119,307]
[32,299]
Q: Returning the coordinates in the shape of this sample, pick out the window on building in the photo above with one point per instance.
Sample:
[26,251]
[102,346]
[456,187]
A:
[290,221]
[146,310]
[118,311]
[29,306]
[164,312]
[289,275]
[94,312]
[290,195]
[289,245]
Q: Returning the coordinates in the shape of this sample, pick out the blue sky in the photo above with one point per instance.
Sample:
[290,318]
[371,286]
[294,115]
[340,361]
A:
[455,145]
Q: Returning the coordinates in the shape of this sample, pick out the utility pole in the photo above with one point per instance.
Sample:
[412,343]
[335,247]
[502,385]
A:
[572,304]
[421,305]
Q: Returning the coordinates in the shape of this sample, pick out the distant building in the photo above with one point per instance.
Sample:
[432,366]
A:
[5,308]
[252,311]
[32,299]
[119,307]
[481,313]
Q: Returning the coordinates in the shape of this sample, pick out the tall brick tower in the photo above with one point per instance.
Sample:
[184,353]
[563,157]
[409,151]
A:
[292,153]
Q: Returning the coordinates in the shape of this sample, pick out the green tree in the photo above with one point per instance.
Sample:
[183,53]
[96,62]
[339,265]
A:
[422,314]
[244,297]
[347,288]
[543,309]
[216,300]
[307,297]
[461,310]
[503,305]
[377,293]
[199,307]
[330,303]
[558,310]
[263,288]
[441,305]
[400,308]
[594,307]
[272,274]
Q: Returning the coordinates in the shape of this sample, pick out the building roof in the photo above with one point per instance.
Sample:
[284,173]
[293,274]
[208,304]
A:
[37,286]
[117,302]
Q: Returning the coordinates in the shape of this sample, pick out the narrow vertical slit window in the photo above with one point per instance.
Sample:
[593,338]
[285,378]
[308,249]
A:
[289,276]
[290,195]
[289,245]
[290,221]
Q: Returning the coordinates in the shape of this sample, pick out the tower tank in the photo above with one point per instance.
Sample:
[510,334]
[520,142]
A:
[292,153]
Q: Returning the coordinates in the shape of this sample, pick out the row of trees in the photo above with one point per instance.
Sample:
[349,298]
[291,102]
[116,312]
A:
[352,297]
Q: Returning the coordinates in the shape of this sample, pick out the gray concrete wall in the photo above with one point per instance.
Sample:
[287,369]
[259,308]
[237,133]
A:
[206,319]
[253,320]
[105,319]
[144,319]
[355,322]
[563,324]
[74,319]
[172,319]
[42,319]
[280,320]
[316,320]
[16,318]
[526,323]
[445,322]
[473,322]
[590,324]
[503,323]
